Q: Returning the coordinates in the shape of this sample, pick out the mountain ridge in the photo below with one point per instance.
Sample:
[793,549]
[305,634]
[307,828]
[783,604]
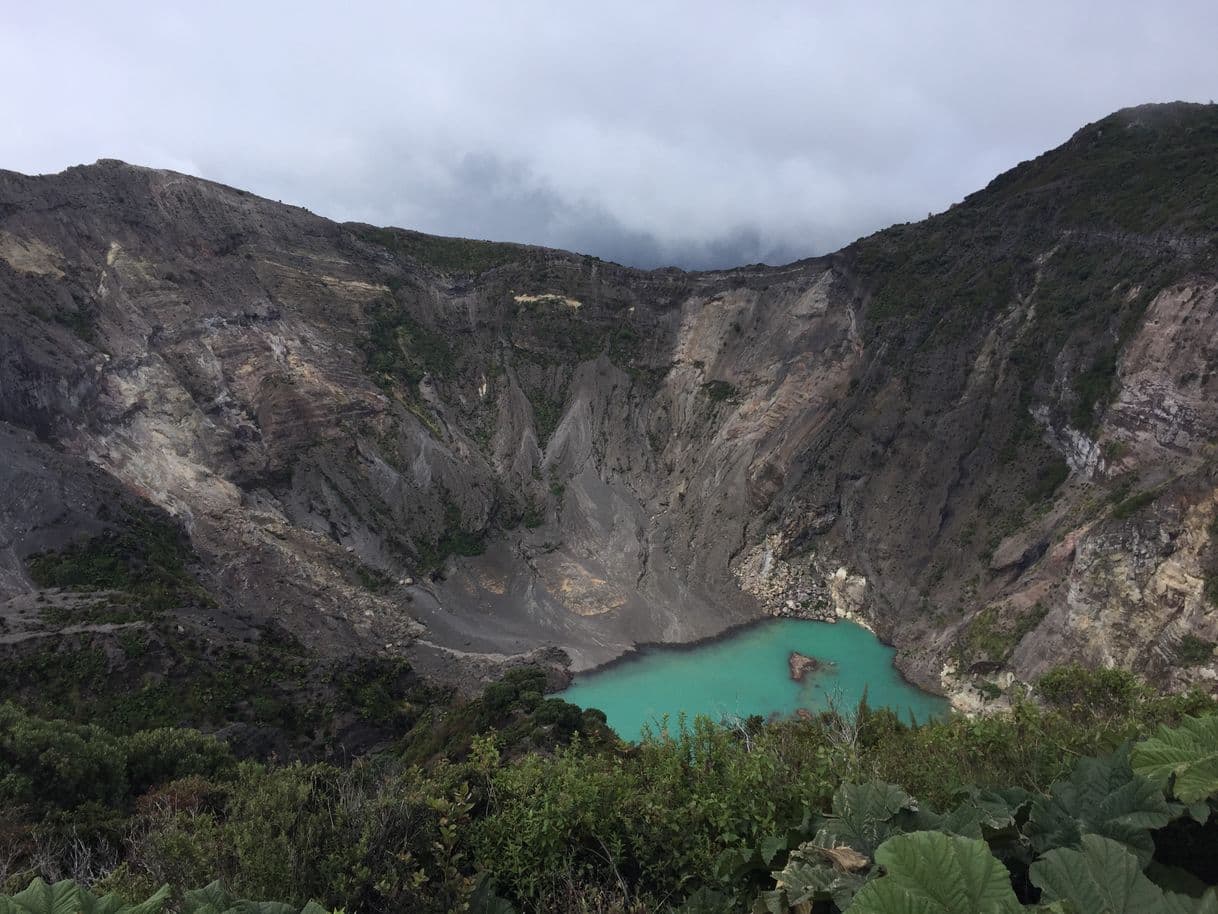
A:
[464,452]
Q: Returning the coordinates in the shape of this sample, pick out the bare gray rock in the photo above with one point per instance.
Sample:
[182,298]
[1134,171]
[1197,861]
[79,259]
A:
[466,453]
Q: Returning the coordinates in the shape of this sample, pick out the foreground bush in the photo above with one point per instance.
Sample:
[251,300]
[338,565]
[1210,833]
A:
[67,897]
[53,764]
[824,814]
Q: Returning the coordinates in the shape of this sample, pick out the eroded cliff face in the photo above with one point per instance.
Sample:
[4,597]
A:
[988,436]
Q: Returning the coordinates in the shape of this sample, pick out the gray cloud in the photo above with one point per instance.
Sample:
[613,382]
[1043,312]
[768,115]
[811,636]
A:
[696,133]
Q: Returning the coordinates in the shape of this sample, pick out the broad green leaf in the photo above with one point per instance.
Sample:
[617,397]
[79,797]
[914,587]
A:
[771,847]
[1188,753]
[211,899]
[961,821]
[770,903]
[262,907]
[732,864]
[107,904]
[934,873]
[68,898]
[1174,879]
[735,863]
[706,901]
[993,810]
[215,899]
[1199,812]
[1103,797]
[1105,878]
[112,904]
[863,814]
[999,808]
[150,905]
[41,898]
[806,880]
[485,901]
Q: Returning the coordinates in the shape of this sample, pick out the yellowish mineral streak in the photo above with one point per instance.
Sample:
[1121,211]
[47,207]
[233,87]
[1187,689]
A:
[548,298]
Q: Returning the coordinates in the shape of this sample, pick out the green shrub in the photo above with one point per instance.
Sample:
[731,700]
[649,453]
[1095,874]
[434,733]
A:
[663,815]
[989,690]
[1135,503]
[783,815]
[1211,589]
[562,715]
[458,255]
[1092,388]
[1103,692]
[1048,480]
[376,687]
[1193,651]
[401,350]
[145,555]
[373,579]
[167,754]
[52,764]
[455,540]
[547,412]
[719,391]
[993,635]
[534,516]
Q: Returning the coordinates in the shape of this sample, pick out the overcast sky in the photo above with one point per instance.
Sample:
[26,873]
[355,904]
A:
[700,133]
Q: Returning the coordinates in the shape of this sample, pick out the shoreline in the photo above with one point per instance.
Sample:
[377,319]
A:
[640,650]
[636,652]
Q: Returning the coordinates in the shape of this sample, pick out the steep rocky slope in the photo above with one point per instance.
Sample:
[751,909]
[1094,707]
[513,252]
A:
[989,435]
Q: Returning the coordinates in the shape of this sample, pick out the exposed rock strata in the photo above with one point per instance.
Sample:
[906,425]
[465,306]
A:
[988,436]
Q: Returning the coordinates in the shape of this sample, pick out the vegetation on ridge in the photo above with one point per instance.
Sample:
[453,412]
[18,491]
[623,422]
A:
[455,255]
[1081,239]
[145,556]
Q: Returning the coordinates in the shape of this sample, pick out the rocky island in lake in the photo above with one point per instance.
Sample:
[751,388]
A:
[800,665]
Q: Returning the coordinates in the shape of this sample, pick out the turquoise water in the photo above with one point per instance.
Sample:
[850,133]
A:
[747,673]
